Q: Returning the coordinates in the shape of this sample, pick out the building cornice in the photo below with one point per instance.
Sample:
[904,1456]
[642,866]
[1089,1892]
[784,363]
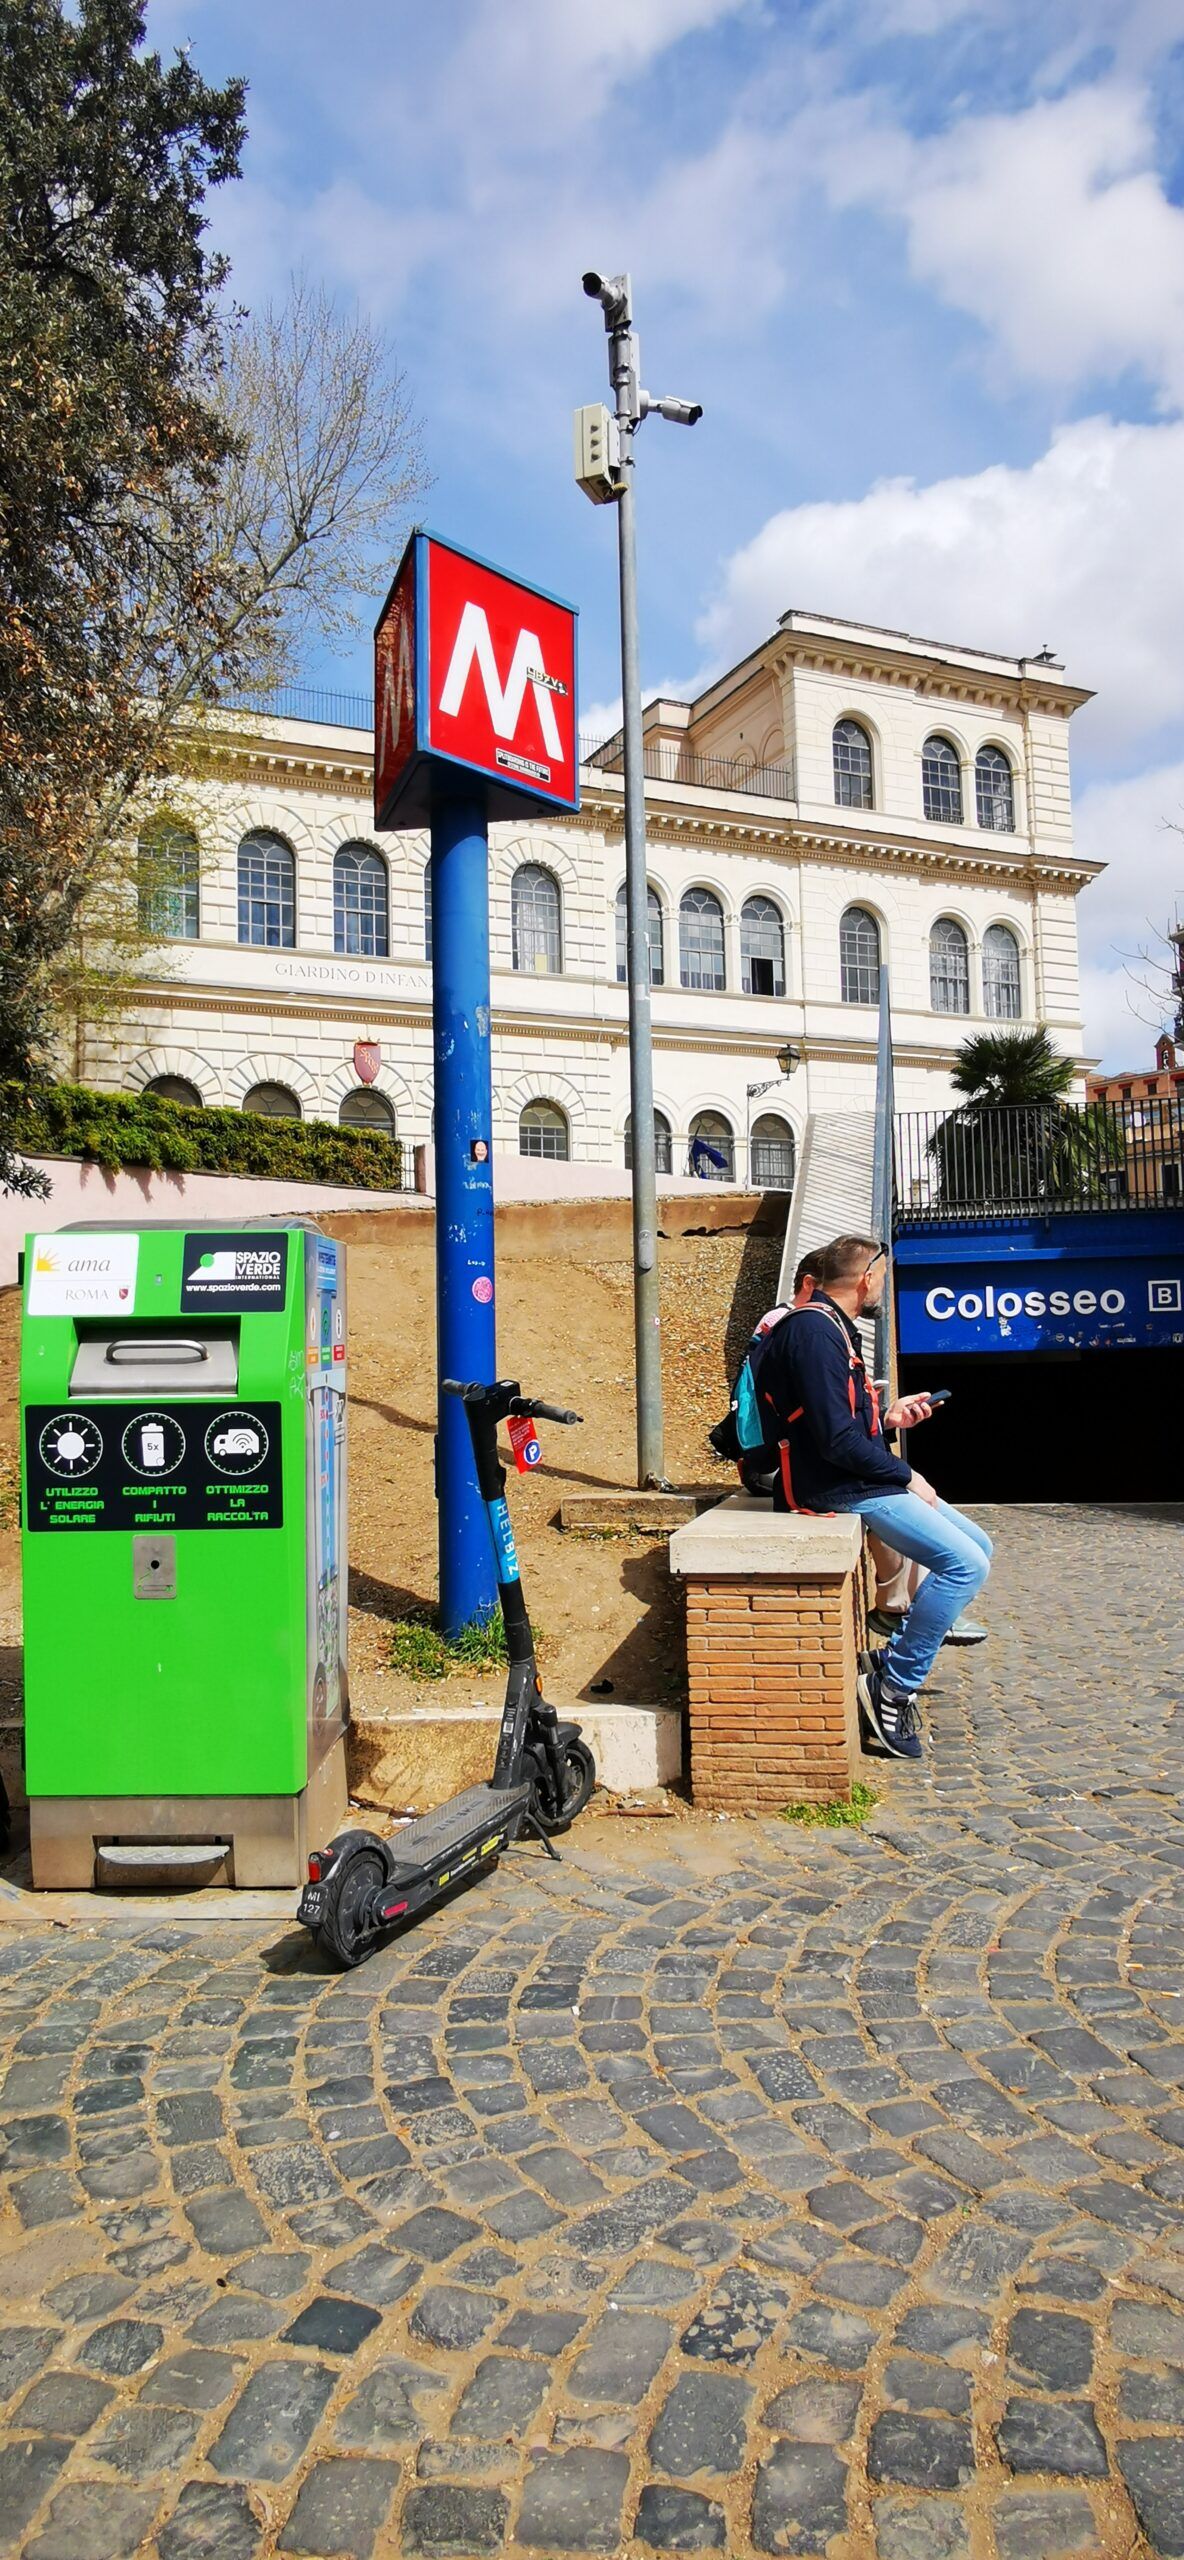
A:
[172,996]
[686,815]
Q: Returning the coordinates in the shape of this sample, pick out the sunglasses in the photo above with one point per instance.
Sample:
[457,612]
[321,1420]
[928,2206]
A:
[880,1255]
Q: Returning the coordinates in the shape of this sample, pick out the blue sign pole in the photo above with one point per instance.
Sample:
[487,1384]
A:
[465,1313]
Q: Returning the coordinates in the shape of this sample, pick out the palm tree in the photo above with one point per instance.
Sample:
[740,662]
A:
[1016,1139]
[998,1068]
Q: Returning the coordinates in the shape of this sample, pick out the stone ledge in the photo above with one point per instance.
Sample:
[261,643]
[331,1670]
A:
[743,1537]
[636,1510]
[420,1756]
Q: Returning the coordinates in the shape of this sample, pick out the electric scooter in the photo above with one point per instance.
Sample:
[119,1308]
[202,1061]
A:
[361,1886]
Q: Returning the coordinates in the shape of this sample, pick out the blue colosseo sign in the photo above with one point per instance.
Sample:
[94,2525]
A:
[1067,1304]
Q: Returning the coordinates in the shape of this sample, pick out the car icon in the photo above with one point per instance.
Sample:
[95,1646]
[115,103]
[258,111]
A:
[240,1443]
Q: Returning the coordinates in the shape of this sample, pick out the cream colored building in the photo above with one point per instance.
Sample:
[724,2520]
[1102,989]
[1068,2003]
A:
[845,799]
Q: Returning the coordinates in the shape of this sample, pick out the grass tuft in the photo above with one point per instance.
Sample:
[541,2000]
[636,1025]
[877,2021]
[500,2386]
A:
[419,1649]
[841,1815]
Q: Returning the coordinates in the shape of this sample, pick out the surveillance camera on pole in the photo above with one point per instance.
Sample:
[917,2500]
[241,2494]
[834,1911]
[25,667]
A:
[604,465]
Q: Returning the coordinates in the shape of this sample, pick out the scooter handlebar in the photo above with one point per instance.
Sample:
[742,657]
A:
[473,1391]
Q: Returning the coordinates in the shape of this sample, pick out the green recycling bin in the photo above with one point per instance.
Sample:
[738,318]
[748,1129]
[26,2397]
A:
[183,1406]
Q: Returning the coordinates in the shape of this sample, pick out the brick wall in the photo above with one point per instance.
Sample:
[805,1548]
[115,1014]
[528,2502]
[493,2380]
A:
[774,1616]
[772,1692]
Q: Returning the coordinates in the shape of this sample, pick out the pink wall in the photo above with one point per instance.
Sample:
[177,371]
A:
[85,1192]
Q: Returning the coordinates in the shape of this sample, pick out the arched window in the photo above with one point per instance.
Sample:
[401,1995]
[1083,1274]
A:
[994,791]
[653,920]
[535,920]
[366,1109]
[772,1154]
[273,1102]
[852,749]
[175,1089]
[168,864]
[762,948]
[542,1131]
[1001,974]
[427,913]
[361,904]
[949,968]
[859,957]
[266,892]
[701,941]
[663,1144]
[712,1151]
[941,782]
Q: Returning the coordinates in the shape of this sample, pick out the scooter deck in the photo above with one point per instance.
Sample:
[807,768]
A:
[439,1848]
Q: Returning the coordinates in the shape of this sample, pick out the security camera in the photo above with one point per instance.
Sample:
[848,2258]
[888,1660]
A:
[612,293]
[681,413]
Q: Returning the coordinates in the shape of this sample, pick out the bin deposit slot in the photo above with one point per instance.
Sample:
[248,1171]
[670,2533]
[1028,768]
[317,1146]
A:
[127,1361]
[154,1568]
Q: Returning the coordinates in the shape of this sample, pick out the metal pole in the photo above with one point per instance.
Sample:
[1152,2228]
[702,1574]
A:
[465,1315]
[646,1312]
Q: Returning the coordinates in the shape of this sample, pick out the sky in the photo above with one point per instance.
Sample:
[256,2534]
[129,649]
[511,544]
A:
[922,261]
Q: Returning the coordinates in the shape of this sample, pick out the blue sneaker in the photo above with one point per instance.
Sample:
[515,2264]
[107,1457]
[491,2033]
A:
[890,1715]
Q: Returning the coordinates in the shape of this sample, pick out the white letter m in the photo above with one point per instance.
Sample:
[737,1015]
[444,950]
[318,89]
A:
[505,707]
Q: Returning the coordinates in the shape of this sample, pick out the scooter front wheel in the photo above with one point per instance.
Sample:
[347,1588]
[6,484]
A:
[345,1930]
[579,1778]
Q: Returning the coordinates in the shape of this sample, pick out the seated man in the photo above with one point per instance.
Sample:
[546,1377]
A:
[834,1457]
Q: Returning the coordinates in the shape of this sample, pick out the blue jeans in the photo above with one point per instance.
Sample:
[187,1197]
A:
[958,1555]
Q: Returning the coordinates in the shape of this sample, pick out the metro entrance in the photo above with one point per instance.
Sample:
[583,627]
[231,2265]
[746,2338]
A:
[1062,1341]
[1062,1426]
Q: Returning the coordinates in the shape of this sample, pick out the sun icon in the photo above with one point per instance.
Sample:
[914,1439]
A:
[44,1260]
[71,1445]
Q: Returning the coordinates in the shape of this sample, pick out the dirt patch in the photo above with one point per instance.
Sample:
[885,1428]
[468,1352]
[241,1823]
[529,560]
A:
[604,1605]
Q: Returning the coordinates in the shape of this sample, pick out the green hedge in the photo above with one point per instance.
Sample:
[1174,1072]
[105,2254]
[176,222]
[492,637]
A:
[115,1129]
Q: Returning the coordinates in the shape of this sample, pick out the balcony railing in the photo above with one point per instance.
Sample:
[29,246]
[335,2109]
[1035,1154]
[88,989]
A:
[1039,1159]
[312,702]
[667,760]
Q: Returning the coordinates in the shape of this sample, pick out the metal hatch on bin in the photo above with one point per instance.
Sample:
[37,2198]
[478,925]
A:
[122,1360]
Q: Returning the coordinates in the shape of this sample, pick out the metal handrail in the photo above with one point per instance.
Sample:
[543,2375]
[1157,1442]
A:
[665,760]
[883,1175]
[1046,1159]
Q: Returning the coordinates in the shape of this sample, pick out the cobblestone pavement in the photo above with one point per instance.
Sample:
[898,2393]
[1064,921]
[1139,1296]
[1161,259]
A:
[727,2188]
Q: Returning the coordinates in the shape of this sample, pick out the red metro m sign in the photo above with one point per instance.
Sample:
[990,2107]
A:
[474,676]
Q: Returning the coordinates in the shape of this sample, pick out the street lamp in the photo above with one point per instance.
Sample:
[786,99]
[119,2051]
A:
[787,1059]
[604,471]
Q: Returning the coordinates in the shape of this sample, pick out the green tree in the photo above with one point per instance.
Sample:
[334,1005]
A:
[110,449]
[185,492]
[997,1068]
[1016,1139]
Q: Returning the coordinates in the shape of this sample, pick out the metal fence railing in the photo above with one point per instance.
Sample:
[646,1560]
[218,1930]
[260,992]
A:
[1019,1158]
[666,760]
[312,702]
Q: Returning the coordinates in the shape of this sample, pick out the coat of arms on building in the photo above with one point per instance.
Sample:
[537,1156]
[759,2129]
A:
[367,1060]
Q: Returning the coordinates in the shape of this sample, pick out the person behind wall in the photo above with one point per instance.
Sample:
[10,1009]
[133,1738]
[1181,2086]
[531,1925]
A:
[834,1456]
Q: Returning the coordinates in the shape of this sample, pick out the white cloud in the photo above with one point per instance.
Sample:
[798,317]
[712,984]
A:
[1083,548]
[1131,827]
[1050,226]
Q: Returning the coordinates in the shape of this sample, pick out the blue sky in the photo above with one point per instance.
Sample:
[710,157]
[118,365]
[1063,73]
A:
[922,262]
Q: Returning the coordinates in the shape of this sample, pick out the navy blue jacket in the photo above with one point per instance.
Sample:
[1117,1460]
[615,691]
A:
[813,1385]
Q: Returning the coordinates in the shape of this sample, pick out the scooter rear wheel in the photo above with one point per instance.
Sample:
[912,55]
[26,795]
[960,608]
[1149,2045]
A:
[579,1770]
[345,1932]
